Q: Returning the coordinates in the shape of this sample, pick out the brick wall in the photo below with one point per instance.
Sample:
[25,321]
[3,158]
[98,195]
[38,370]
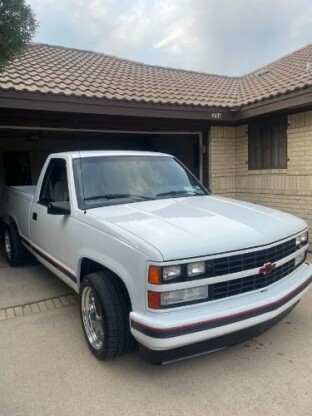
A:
[288,189]
[222,154]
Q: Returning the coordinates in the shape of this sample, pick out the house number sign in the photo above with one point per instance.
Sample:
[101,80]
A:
[216,115]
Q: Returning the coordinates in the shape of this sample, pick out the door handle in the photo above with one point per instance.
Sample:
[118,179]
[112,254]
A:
[34,216]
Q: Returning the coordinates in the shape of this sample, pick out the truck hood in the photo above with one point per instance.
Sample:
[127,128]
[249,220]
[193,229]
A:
[196,226]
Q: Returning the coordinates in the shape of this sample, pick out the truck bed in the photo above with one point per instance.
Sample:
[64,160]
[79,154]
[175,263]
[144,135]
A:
[28,190]
[18,200]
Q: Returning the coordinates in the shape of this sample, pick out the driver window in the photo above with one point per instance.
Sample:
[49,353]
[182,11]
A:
[54,185]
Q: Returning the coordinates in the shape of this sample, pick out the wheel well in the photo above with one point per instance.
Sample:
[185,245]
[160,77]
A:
[12,223]
[90,266]
[4,224]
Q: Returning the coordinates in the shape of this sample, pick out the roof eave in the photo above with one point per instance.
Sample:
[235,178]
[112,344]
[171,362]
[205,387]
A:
[293,100]
[71,104]
[217,115]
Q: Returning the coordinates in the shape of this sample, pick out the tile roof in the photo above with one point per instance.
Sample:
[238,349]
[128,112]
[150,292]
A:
[57,70]
[285,75]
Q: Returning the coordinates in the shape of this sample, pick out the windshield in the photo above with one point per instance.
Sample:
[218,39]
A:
[111,180]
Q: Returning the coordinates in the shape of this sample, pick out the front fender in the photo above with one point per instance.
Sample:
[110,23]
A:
[131,268]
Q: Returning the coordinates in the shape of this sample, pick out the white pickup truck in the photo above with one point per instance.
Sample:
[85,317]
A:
[154,256]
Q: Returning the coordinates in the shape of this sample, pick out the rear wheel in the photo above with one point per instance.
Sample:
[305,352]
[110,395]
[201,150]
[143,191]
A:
[104,311]
[15,252]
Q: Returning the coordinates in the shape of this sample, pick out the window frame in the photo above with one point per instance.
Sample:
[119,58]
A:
[47,177]
[267,143]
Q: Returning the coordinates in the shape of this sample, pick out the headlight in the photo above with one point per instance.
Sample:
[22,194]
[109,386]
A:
[183,296]
[302,239]
[196,268]
[300,258]
[160,300]
[176,273]
[171,272]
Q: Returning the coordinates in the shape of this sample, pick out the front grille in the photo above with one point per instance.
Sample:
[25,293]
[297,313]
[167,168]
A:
[246,261]
[237,263]
[249,283]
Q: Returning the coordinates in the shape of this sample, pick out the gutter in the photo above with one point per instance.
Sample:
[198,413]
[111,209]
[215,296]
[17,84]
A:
[214,115]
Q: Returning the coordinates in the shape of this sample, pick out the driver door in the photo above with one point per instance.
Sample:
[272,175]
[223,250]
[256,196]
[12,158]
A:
[52,235]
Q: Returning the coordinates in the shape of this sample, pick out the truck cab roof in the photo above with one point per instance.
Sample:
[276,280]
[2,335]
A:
[98,153]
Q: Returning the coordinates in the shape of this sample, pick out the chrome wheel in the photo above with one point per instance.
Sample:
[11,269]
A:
[7,244]
[92,318]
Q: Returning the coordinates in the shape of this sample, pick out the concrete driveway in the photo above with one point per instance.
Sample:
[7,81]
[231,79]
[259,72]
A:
[47,369]
[27,284]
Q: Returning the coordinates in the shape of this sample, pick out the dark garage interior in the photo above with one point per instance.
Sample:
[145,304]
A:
[24,151]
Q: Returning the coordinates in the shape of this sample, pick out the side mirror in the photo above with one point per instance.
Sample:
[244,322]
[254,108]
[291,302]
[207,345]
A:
[59,208]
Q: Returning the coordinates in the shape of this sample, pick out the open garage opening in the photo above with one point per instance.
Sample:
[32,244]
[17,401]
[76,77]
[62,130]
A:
[23,152]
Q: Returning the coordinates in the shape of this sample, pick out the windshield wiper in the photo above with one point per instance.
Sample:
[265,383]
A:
[118,196]
[180,192]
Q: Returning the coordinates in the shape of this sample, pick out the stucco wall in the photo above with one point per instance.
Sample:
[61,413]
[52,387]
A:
[286,189]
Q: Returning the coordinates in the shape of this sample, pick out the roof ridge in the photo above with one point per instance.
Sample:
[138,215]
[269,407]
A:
[133,61]
[237,77]
[276,60]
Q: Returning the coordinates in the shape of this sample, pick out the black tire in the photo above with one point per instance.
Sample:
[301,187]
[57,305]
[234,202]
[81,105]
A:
[108,336]
[15,252]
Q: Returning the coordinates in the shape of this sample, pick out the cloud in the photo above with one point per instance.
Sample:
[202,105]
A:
[225,37]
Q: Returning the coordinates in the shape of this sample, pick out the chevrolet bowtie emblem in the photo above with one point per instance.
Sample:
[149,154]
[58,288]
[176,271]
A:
[267,268]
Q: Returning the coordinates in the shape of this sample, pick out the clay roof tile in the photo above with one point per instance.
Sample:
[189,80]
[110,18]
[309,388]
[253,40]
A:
[63,71]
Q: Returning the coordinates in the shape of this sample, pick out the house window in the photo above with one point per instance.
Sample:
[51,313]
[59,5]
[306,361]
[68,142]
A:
[267,143]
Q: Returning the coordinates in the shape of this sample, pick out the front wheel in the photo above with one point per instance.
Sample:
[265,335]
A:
[104,311]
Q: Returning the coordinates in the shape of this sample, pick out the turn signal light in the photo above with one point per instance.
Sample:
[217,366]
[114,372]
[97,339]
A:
[153,299]
[154,275]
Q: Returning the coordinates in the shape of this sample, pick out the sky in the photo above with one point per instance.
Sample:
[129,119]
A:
[226,37]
